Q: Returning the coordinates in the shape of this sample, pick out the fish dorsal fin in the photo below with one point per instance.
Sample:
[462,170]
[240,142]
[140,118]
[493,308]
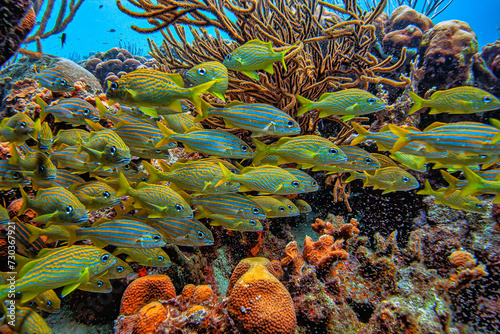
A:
[142,185]
[165,167]
[269,45]
[176,78]
[434,125]
[437,94]
[233,103]
[94,126]
[100,221]
[324,96]
[282,141]
[192,129]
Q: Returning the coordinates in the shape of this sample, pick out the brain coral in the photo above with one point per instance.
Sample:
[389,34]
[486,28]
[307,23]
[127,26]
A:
[149,317]
[145,290]
[258,302]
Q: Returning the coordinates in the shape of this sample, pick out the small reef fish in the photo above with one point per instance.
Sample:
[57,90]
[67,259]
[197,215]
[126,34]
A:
[273,207]
[56,205]
[106,148]
[233,205]
[52,233]
[412,162]
[120,233]
[118,270]
[254,55]
[357,159]
[95,195]
[37,165]
[126,118]
[28,321]
[303,206]
[307,150]
[306,181]
[212,142]
[151,257]
[458,100]
[266,179]
[161,201]
[54,79]
[384,160]
[294,210]
[18,128]
[69,157]
[45,138]
[455,200]
[149,154]
[46,301]
[150,88]
[232,223]
[454,161]
[72,111]
[183,232]
[97,285]
[478,185]
[389,179]
[23,235]
[63,39]
[71,137]
[180,123]
[347,103]
[462,137]
[206,72]
[386,139]
[142,136]
[196,176]
[64,178]
[66,267]
[261,119]
[11,176]
[456,184]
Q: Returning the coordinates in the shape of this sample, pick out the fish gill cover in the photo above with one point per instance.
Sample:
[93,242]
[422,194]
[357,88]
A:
[270,167]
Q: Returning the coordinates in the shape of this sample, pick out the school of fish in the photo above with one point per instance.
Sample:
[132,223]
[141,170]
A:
[237,185]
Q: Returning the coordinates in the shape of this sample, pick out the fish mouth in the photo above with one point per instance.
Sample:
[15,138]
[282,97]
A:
[81,220]
[115,202]
[43,147]
[50,177]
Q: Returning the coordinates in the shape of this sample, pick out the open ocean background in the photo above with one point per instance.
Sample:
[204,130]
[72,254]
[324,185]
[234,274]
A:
[91,29]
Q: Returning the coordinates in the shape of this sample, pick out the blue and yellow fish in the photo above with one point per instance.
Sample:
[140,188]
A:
[183,232]
[206,72]
[19,128]
[55,80]
[72,111]
[231,223]
[71,137]
[389,179]
[45,138]
[11,176]
[151,257]
[234,205]
[46,301]
[97,285]
[37,165]
[180,123]
[106,148]
[28,321]
[309,183]
[273,207]
[303,206]
[95,195]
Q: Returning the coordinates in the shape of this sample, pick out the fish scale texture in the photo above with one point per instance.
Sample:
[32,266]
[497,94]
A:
[145,290]
[258,302]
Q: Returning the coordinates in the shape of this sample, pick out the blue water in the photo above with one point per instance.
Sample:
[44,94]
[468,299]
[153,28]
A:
[91,28]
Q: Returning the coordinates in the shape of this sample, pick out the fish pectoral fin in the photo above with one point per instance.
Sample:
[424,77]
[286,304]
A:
[219,95]
[45,218]
[29,295]
[252,74]
[69,288]
[351,108]
[98,243]
[347,117]
[387,191]
[132,92]
[269,69]
[269,126]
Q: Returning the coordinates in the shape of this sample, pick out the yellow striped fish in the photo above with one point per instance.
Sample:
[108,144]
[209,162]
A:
[208,71]
[456,184]
[348,103]
[95,195]
[309,184]
[458,100]
[11,176]
[28,321]
[97,285]
[292,208]
[183,232]
[303,206]
[234,205]
[106,148]
[23,236]
[54,79]
[37,165]
[273,207]
[19,128]
[118,270]
[45,138]
[52,233]
[180,123]
[151,257]
[71,137]
[73,111]
[357,159]
[160,201]
[150,88]
[412,162]
[56,205]
[4,216]
[66,267]
[46,301]
[232,223]
[389,179]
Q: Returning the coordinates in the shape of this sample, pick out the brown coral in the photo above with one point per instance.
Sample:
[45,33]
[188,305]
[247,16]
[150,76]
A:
[258,302]
[404,16]
[336,227]
[144,290]
[149,317]
[409,37]
[201,294]
[293,258]
[465,271]
[324,252]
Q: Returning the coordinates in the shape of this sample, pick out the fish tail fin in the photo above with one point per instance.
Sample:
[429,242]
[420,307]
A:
[427,189]
[418,104]
[167,133]
[94,126]
[124,186]
[403,137]
[200,213]
[43,107]
[362,133]
[26,201]
[101,108]
[452,183]
[34,231]
[306,105]
[197,91]
[475,183]
[355,176]
[152,171]
[282,58]
[226,175]
[261,150]
[14,155]
[73,236]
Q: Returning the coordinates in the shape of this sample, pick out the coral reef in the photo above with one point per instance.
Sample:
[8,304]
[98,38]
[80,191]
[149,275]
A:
[18,18]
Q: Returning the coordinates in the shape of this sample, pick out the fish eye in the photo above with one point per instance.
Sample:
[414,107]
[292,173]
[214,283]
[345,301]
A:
[156,237]
[482,156]
[105,258]
[144,179]
[38,138]
[295,184]
[160,258]
[69,209]
[244,148]
[314,183]
[200,235]
[290,123]
[62,82]
[106,194]
[51,140]
[202,71]
[112,150]
[158,151]
[41,168]
[119,269]
[99,283]
[406,179]
[86,111]
[332,151]
[228,57]
[22,124]
[31,304]
[282,208]
[126,167]
[479,205]
[256,210]
[371,100]
[253,222]
[113,86]
[487,99]
[368,160]
[15,175]
[290,207]
[179,207]
[49,303]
